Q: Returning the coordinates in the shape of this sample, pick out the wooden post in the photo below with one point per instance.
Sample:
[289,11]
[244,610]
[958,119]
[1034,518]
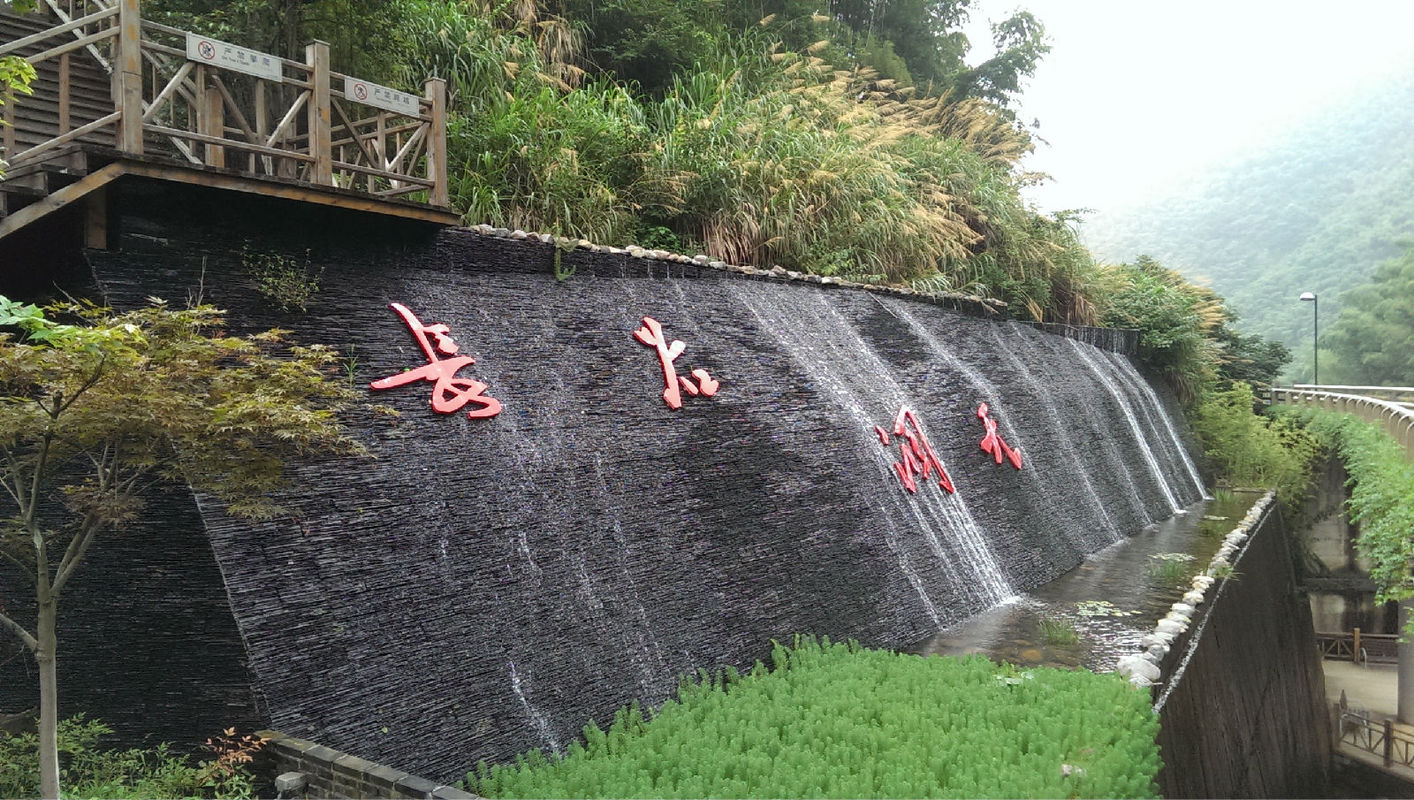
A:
[95,228]
[262,125]
[1355,648]
[437,143]
[1389,742]
[213,117]
[64,93]
[127,78]
[379,148]
[7,125]
[316,55]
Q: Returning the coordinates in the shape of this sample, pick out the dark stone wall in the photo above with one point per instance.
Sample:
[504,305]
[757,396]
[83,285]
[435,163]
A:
[147,641]
[479,587]
[1245,715]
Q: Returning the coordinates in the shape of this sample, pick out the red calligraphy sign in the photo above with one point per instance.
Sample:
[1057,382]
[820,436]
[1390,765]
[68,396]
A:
[651,334]
[449,393]
[916,454]
[993,443]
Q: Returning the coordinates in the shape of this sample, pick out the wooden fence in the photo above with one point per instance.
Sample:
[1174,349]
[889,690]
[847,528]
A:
[1354,727]
[1359,647]
[212,104]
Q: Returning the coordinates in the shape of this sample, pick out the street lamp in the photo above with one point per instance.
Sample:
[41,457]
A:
[1315,336]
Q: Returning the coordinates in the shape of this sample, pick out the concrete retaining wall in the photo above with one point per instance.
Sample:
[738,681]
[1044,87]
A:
[1245,714]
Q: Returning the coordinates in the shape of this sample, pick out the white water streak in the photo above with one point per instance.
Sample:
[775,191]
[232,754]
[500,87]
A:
[807,338]
[1127,369]
[1062,431]
[1140,439]
[537,717]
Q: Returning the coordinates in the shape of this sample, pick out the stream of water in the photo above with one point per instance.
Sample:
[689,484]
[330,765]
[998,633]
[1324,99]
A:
[1110,601]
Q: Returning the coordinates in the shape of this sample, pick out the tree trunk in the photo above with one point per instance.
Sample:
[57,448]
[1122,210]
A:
[48,699]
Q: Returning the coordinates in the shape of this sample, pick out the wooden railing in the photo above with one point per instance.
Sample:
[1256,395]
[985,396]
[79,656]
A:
[1394,746]
[1359,647]
[1396,418]
[284,120]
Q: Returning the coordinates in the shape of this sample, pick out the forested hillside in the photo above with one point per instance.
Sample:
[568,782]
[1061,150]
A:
[1316,210]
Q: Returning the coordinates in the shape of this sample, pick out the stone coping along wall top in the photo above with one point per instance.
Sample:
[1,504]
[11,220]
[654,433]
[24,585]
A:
[326,772]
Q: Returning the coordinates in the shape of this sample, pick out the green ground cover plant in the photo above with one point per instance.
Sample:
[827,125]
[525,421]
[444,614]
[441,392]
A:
[840,720]
[1381,494]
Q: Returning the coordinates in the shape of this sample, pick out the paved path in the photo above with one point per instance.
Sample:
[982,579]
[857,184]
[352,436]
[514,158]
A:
[1373,687]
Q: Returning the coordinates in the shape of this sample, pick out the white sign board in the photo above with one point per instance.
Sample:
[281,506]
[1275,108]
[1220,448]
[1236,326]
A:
[371,94]
[215,53]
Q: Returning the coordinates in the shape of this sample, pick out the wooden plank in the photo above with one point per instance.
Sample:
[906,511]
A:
[422,183]
[87,41]
[211,122]
[232,144]
[34,38]
[34,152]
[93,51]
[164,95]
[44,206]
[306,194]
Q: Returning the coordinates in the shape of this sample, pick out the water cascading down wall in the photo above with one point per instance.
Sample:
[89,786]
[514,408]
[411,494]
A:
[482,585]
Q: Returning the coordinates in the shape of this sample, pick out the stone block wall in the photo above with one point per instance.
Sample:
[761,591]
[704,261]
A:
[320,771]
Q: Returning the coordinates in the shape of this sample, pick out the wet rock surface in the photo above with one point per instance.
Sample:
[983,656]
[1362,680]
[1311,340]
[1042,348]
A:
[484,586]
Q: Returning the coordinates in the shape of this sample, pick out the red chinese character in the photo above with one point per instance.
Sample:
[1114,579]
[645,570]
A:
[918,457]
[992,443]
[449,393]
[651,334]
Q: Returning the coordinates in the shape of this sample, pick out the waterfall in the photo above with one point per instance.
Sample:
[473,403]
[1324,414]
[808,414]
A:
[1127,370]
[1069,451]
[826,347]
[482,586]
[1102,372]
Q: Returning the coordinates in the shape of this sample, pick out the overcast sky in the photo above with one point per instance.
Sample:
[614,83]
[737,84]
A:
[1137,94]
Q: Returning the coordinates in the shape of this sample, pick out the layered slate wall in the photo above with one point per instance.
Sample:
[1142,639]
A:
[1244,713]
[481,586]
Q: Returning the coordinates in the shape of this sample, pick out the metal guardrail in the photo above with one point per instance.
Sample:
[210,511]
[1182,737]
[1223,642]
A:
[1396,418]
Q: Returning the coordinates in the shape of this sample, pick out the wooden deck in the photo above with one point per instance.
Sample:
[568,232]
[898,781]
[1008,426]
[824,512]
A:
[120,96]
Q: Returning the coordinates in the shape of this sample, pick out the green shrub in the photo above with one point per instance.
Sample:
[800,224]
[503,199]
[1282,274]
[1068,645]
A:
[1254,450]
[835,720]
[87,771]
[1381,495]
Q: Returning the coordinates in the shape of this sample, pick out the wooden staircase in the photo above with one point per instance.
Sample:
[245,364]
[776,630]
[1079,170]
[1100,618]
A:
[69,91]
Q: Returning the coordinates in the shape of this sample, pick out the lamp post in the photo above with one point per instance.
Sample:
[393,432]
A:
[1315,336]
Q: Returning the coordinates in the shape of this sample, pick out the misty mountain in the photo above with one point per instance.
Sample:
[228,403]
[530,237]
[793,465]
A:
[1315,210]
